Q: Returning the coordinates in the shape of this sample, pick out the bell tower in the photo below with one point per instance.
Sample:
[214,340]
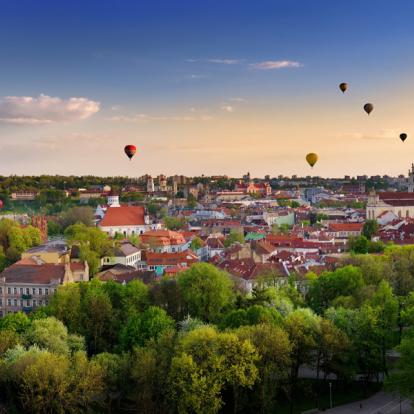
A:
[410,180]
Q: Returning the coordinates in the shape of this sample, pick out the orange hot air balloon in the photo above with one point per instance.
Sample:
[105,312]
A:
[130,151]
[368,108]
[343,87]
[403,137]
[312,158]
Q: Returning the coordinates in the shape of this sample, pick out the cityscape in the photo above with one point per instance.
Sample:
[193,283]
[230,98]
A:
[206,208]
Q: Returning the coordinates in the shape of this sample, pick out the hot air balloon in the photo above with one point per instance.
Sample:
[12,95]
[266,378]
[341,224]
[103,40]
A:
[368,108]
[130,151]
[403,137]
[343,87]
[312,158]
[1,204]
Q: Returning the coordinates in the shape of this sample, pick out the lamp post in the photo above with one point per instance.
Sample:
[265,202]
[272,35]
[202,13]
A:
[330,394]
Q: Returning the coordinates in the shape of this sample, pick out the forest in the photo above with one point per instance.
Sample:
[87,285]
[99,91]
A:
[197,343]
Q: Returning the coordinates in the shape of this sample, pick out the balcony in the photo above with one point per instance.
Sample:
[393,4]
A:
[27,309]
[26,296]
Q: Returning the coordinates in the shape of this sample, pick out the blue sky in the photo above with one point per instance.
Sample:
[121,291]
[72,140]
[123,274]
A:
[222,74]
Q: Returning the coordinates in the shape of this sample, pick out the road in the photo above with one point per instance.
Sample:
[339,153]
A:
[380,403]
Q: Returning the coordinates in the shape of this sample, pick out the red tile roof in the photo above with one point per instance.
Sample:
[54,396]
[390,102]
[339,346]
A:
[345,227]
[35,274]
[163,237]
[170,259]
[123,216]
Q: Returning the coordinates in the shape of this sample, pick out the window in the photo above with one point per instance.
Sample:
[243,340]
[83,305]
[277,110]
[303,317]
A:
[40,291]
[15,290]
[15,302]
[8,302]
[21,290]
[46,291]
[34,302]
[27,291]
[1,290]
[9,291]
[34,291]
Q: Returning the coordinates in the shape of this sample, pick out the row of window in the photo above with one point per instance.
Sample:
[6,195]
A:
[26,291]
[27,303]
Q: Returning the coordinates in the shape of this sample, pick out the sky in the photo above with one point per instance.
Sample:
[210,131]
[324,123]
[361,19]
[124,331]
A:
[206,87]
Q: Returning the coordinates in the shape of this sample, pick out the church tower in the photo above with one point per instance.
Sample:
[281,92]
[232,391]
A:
[410,180]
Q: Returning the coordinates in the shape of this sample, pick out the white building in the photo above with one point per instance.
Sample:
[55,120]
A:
[401,204]
[125,254]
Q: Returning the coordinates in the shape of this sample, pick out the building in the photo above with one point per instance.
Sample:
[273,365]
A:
[123,219]
[52,253]
[24,195]
[29,283]
[345,230]
[150,184]
[159,262]
[399,203]
[165,241]
[125,254]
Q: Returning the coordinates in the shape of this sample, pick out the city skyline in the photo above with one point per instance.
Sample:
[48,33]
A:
[205,89]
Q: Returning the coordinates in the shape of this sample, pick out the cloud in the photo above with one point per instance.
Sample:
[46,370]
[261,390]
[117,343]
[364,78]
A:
[276,64]
[227,108]
[237,100]
[382,134]
[218,61]
[152,118]
[224,61]
[44,109]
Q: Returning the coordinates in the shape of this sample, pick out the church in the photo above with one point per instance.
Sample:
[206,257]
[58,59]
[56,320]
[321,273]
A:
[399,203]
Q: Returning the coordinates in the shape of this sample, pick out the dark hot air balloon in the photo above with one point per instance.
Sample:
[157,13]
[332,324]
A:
[130,151]
[368,108]
[312,158]
[403,137]
[343,87]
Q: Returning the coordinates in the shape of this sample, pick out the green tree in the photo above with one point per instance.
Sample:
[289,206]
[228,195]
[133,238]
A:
[206,362]
[274,348]
[234,237]
[370,228]
[205,290]
[141,328]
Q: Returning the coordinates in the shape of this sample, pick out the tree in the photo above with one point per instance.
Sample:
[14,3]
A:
[51,334]
[234,237]
[141,328]
[196,243]
[174,223]
[191,201]
[206,362]
[359,244]
[401,379]
[343,282]
[274,349]
[206,291]
[17,322]
[302,326]
[387,307]
[370,228]
[75,215]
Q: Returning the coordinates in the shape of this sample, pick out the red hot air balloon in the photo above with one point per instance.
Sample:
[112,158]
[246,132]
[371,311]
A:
[130,151]
[1,204]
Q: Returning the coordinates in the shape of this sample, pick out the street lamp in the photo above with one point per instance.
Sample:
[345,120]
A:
[330,394]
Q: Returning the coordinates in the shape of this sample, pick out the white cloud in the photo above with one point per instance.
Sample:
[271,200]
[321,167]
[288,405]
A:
[224,61]
[276,64]
[27,110]
[237,100]
[227,108]
[152,118]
